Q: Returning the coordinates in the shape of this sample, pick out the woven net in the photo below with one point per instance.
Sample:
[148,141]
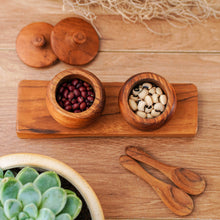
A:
[176,12]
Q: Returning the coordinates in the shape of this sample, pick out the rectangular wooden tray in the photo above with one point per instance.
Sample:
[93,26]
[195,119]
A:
[34,120]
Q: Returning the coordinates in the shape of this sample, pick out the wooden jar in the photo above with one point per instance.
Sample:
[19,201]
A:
[145,123]
[70,119]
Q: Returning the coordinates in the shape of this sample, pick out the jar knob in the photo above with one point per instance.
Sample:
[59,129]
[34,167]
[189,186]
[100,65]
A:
[79,37]
[39,40]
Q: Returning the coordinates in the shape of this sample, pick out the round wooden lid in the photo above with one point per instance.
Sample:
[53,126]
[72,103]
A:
[74,41]
[33,45]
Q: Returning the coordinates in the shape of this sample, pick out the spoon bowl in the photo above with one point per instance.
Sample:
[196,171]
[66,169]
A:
[175,199]
[187,180]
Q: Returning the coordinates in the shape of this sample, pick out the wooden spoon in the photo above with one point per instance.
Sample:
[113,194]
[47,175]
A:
[175,199]
[185,179]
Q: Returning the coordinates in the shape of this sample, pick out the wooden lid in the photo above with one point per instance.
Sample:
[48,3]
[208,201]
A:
[74,41]
[33,45]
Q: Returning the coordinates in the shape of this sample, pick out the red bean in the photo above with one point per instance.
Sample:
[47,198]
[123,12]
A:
[61,89]
[86,84]
[76,92]
[82,106]
[78,85]
[71,87]
[77,111]
[75,96]
[73,101]
[80,99]
[84,94]
[75,106]
[70,96]
[65,93]
[61,103]
[68,107]
[91,93]
[82,88]
[90,98]
[75,81]
[67,103]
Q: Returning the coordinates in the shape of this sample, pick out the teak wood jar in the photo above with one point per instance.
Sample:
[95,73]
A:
[145,123]
[70,119]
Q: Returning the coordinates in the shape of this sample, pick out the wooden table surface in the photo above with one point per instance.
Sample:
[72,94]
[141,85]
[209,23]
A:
[187,55]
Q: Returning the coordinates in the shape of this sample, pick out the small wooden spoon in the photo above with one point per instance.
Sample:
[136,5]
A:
[185,179]
[175,199]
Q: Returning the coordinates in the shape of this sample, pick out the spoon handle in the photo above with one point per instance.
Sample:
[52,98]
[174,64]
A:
[175,199]
[185,179]
[131,165]
[138,154]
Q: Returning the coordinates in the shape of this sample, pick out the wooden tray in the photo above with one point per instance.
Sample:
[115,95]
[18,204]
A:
[34,120]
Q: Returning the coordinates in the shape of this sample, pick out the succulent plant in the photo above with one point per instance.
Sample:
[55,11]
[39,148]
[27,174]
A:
[33,196]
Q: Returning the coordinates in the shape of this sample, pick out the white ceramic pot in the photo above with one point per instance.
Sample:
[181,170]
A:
[47,163]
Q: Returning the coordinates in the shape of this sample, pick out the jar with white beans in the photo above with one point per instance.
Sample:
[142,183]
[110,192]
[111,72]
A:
[147,100]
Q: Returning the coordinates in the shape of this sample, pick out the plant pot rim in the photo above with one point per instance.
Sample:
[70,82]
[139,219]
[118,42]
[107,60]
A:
[44,162]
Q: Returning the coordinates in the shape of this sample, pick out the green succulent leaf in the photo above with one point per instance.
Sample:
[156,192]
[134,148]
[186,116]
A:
[23,216]
[9,173]
[54,199]
[9,188]
[70,192]
[1,173]
[12,208]
[27,175]
[73,206]
[45,214]
[29,194]
[64,216]
[2,214]
[47,180]
[31,210]
[14,218]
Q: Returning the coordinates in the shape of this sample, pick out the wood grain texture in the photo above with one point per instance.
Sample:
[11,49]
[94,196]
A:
[115,34]
[68,119]
[143,123]
[174,198]
[33,45]
[74,41]
[31,99]
[188,55]
[187,180]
